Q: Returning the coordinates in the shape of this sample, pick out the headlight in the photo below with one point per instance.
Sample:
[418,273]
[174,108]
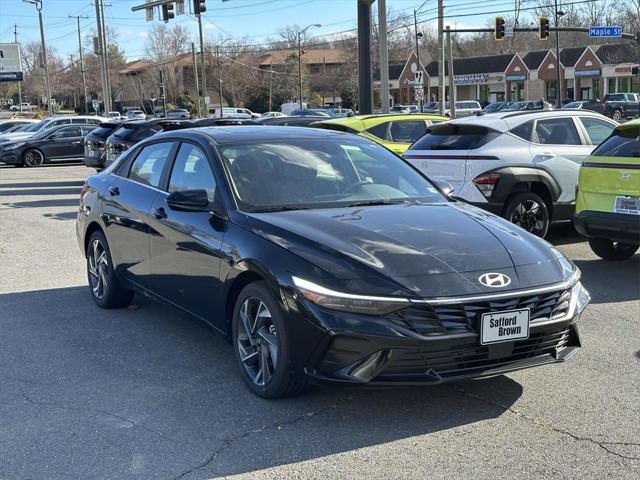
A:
[347,302]
[568,267]
[580,298]
[13,146]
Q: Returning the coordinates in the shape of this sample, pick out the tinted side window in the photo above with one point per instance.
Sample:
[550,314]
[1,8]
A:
[191,171]
[524,130]
[597,129]
[623,143]
[407,131]
[557,131]
[379,131]
[68,132]
[148,166]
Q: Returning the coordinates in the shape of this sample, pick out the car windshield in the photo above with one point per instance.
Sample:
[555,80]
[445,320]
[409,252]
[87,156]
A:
[573,105]
[276,175]
[36,126]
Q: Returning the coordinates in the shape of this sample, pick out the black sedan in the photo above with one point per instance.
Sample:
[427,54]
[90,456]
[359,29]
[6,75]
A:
[95,152]
[324,257]
[59,143]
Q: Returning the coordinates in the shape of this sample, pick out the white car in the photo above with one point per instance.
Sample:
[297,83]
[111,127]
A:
[272,115]
[464,108]
[135,115]
[114,115]
[52,122]
[520,165]
[24,106]
[234,112]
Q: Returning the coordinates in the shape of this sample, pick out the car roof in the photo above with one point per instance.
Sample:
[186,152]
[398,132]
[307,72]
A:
[221,135]
[506,120]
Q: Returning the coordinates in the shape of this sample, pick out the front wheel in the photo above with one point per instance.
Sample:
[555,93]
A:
[617,115]
[105,288]
[33,158]
[528,211]
[610,250]
[261,344]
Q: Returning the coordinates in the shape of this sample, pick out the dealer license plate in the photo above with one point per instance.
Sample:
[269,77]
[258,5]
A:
[496,327]
[628,205]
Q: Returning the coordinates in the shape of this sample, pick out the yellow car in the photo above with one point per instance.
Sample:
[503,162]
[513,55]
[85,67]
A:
[396,132]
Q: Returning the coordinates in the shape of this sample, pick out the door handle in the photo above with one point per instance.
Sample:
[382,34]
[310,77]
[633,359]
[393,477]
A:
[160,213]
[113,191]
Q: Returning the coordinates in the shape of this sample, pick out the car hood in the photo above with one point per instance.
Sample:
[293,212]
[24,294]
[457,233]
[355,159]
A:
[429,249]
[12,137]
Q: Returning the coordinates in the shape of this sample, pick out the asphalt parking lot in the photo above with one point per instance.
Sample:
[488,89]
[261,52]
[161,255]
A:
[146,393]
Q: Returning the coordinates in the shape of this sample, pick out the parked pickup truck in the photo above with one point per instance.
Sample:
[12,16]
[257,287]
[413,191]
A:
[620,105]
[24,106]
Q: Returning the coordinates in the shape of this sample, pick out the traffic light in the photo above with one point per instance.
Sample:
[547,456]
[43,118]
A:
[167,12]
[199,7]
[543,28]
[498,29]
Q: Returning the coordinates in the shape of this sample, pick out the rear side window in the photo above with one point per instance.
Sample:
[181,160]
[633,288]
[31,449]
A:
[524,130]
[557,131]
[380,131]
[616,97]
[622,143]
[149,164]
[450,136]
[407,131]
[597,129]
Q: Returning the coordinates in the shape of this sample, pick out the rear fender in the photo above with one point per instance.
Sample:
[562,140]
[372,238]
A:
[521,179]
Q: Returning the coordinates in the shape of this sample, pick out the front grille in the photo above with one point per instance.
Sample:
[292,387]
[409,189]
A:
[431,320]
[470,359]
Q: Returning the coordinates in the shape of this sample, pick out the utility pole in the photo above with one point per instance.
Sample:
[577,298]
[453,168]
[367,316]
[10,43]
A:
[105,54]
[15,37]
[38,4]
[163,96]
[365,80]
[558,88]
[203,66]
[452,88]
[300,33]
[270,85]
[195,76]
[219,78]
[383,53]
[324,77]
[103,74]
[418,35]
[441,93]
[84,81]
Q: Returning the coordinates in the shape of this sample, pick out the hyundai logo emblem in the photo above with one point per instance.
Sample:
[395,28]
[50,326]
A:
[494,280]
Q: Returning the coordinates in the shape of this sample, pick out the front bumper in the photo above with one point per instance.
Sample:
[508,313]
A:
[618,227]
[10,158]
[436,346]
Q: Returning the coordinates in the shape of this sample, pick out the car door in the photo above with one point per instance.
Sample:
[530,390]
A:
[186,246]
[62,143]
[127,206]
[558,147]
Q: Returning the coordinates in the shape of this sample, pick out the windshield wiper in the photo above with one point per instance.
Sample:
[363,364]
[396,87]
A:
[380,201]
[280,208]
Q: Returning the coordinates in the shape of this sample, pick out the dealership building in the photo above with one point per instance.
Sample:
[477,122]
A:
[586,73]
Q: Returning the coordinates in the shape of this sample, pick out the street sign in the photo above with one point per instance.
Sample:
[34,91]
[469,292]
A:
[418,78]
[10,62]
[149,12]
[508,31]
[419,94]
[609,31]
[207,100]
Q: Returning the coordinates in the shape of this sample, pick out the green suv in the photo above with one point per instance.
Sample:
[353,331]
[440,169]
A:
[608,195]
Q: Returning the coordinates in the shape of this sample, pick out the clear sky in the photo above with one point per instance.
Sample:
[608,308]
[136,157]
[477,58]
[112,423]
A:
[258,19]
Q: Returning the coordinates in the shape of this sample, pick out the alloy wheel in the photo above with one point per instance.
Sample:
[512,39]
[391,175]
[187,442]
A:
[530,216]
[98,268]
[33,158]
[257,341]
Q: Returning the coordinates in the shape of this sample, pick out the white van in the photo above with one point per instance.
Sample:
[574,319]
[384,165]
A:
[234,112]
[289,107]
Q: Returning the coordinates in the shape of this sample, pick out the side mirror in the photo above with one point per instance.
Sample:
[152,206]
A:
[190,200]
[445,186]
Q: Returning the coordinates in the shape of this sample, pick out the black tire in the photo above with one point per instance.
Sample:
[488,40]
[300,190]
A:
[33,158]
[104,287]
[529,211]
[255,347]
[610,250]
[616,115]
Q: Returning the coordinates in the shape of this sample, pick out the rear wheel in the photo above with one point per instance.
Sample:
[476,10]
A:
[610,250]
[261,344]
[617,115]
[529,211]
[33,158]
[105,288]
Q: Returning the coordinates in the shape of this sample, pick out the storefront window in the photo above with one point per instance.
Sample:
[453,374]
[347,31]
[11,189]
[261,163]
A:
[551,90]
[635,84]
[484,93]
[612,85]
[624,85]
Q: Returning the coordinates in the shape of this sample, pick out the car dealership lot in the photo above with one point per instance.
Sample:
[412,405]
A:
[146,393]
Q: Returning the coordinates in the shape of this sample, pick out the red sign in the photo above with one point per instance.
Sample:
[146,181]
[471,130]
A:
[623,69]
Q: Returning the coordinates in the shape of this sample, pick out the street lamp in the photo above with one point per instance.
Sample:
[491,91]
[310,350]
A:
[220,72]
[300,33]
[559,13]
[418,36]
[38,4]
